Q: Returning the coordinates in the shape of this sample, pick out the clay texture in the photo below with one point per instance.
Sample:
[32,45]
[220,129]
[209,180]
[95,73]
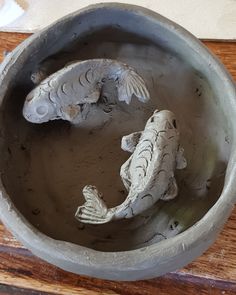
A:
[68,93]
[45,167]
[148,175]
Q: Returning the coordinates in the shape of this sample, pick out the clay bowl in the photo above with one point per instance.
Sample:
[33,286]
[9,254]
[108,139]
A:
[44,167]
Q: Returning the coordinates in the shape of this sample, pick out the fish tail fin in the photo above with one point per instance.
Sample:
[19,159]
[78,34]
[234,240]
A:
[129,84]
[94,210]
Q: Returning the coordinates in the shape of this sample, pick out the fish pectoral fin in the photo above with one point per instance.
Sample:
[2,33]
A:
[70,112]
[171,191]
[130,83]
[92,97]
[129,142]
[181,162]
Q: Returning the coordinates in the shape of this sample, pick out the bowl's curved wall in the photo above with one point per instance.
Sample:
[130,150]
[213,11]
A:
[44,167]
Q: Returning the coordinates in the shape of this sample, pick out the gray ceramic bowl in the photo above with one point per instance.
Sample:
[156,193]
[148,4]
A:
[44,167]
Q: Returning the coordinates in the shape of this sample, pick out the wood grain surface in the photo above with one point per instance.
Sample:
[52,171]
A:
[212,273]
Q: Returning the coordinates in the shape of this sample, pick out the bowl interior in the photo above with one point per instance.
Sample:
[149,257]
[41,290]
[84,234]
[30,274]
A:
[46,166]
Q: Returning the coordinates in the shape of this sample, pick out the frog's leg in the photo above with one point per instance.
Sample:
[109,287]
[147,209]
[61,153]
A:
[129,142]
[124,173]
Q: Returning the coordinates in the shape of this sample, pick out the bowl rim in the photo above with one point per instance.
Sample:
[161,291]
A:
[203,231]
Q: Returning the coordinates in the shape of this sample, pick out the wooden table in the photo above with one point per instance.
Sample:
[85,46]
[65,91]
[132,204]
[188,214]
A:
[213,273]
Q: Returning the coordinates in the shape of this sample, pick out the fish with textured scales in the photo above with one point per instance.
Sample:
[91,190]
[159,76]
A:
[67,93]
[148,174]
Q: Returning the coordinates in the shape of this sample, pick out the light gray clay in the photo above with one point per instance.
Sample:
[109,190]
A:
[67,93]
[48,67]
[148,174]
[43,169]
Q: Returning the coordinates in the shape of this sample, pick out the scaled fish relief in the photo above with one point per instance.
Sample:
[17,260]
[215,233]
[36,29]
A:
[148,174]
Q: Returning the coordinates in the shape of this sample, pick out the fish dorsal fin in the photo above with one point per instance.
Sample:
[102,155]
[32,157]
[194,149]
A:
[181,162]
[131,84]
[129,142]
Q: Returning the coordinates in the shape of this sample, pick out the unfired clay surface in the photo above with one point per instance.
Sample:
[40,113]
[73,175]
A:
[68,93]
[148,174]
[45,167]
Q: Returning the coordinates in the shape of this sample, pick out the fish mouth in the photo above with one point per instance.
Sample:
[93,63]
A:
[37,120]
[29,119]
[36,113]
[32,118]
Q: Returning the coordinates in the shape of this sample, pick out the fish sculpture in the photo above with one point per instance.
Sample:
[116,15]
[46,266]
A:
[148,175]
[67,93]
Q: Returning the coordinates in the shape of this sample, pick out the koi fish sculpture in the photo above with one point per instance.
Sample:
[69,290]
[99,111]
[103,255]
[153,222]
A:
[68,92]
[148,174]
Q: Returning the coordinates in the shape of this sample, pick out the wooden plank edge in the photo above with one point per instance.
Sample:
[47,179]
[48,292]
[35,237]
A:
[11,290]
[29,272]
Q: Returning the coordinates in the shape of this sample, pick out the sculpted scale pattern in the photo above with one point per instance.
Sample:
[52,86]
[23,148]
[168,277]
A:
[67,93]
[148,174]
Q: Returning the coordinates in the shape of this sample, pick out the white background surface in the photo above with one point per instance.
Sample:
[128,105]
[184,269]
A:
[207,19]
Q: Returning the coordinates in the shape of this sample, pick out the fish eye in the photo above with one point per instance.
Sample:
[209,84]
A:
[42,110]
[152,119]
[174,123]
